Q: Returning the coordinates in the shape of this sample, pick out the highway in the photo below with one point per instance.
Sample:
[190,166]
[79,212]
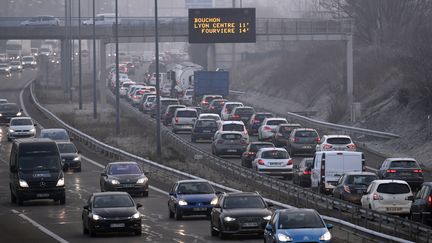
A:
[63,223]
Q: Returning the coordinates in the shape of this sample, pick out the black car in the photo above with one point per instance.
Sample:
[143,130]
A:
[169,113]
[239,213]
[216,106]
[242,113]
[203,129]
[255,121]
[351,186]
[249,155]
[124,176]
[302,172]
[282,132]
[8,111]
[111,212]
[71,158]
[421,208]
[406,169]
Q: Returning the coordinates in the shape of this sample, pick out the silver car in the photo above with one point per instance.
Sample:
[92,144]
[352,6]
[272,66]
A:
[268,126]
[184,119]
[229,143]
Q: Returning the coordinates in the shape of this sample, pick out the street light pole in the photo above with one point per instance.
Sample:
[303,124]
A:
[117,88]
[79,57]
[158,111]
[94,62]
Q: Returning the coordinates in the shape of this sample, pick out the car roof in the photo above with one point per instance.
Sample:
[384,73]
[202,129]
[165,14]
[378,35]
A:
[272,149]
[337,136]
[109,193]
[230,132]
[232,122]
[390,181]
[258,142]
[304,129]
[53,130]
[275,118]
[34,140]
[122,163]
[243,107]
[169,106]
[401,158]
[359,173]
[242,194]
[205,119]
[296,210]
[64,142]
[209,114]
[289,125]
[338,152]
[233,102]
[188,181]
[22,117]
[186,109]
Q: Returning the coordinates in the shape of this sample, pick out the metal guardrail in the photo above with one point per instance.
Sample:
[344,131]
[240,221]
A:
[348,129]
[298,195]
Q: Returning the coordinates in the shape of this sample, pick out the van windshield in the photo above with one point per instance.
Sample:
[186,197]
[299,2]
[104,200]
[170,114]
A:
[39,161]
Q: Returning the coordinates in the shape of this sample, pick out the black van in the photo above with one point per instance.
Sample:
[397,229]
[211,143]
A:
[36,171]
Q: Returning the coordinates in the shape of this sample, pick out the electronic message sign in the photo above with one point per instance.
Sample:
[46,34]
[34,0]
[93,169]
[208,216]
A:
[222,25]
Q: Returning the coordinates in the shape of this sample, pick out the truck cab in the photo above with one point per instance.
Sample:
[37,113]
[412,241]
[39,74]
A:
[328,166]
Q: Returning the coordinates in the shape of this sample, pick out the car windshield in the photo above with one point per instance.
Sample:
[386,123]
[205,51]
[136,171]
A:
[233,127]
[338,140]
[39,160]
[256,147]
[21,122]
[393,188]
[305,134]
[55,135]
[243,202]
[403,164]
[361,179]
[207,123]
[9,108]
[186,113]
[274,154]
[124,169]
[195,188]
[299,220]
[231,136]
[276,122]
[112,201]
[67,148]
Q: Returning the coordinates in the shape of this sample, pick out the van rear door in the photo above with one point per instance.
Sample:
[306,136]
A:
[334,166]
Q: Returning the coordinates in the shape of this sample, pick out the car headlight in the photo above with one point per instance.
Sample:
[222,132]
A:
[19,113]
[19,66]
[96,217]
[136,215]
[326,236]
[267,217]
[214,201]
[11,131]
[229,219]
[23,183]
[23,63]
[60,182]
[1,114]
[142,180]
[78,158]
[283,237]
[182,202]
[114,182]
[32,130]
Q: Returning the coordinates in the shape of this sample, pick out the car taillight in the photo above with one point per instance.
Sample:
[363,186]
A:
[256,121]
[290,162]
[430,200]
[351,146]
[267,128]
[167,114]
[236,116]
[418,171]
[176,119]
[391,171]
[261,162]
[204,102]
[307,172]
[327,146]
[347,189]
[251,153]
[317,139]
[377,196]
[294,140]
[279,134]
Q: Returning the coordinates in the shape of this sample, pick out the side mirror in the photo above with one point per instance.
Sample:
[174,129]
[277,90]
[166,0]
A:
[410,198]
[171,194]
[21,110]
[65,167]
[79,151]
[218,192]
[35,124]
[329,226]
[139,205]
[270,204]
[86,207]
[365,193]
[269,227]
[103,174]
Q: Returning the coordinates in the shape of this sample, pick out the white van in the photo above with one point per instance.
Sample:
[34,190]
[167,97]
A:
[328,166]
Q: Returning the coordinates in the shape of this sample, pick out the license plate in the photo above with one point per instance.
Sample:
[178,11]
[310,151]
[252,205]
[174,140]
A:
[307,147]
[117,225]
[404,174]
[360,191]
[206,131]
[199,209]
[42,195]
[274,163]
[232,150]
[128,185]
[249,224]
[394,209]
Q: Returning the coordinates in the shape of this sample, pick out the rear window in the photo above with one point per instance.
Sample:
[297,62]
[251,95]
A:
[393,188]
[361,179]
[339,140]
[126,85]
[216,118]
[233,127]
[231,136]
[256,147]
[206,124]
[210,98]
[276,122]
[186,113]
[169,102]
[245,111]
[275,154]
[230,107]
[218,103]
[305,134]
[286,129]
[403,164]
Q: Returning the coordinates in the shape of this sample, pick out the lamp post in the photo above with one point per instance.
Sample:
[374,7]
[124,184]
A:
[117,88]
[94,62]
[158,111]
[79,57]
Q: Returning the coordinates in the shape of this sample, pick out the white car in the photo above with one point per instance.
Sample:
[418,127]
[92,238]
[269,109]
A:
[125,87]
[227,108]
[102,19]
[273,161]
[184,119]
[43,20]
[20,127]
[336,143]
[236,126]
[388,196]
[28,61]
[212,116]
[148,103]
[268,126]
[187,97]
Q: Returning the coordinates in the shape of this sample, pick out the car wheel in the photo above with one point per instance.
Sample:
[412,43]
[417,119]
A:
[222,235]
[138,232]
[13,197]
[212,230]
[92,233]
[177,214]
[85,230]
[145,194]
[170,213]
[62,199]
[19,201]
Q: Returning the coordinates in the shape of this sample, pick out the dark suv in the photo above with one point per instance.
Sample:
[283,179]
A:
[168,115]
[303,141]
[256,120]
[239,213]
[249,155]
[243,114]
[406,169]
[421,208]
[204,129]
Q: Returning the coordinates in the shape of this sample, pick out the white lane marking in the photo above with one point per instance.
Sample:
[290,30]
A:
[40,227]
[101,166]
[21,97]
